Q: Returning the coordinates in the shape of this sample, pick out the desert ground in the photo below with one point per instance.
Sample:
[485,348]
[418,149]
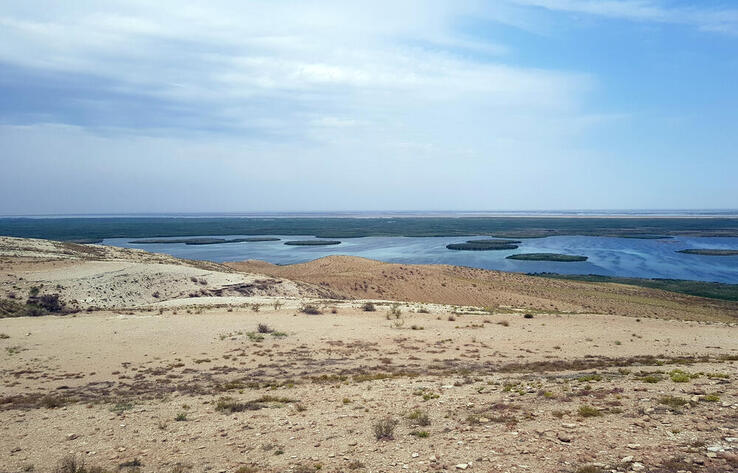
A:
[156,364]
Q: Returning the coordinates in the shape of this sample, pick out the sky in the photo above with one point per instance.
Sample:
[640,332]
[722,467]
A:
[246,106]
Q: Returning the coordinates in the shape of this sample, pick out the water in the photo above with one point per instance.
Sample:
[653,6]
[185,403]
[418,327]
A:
[625,257]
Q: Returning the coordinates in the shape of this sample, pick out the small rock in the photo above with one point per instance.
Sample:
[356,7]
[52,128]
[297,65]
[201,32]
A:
[634,446]
[627,459]
[72,436]
[564,437]
[462,466]
[637,466]
[415,455]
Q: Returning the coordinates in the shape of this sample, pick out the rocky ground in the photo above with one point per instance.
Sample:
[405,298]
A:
[295,381]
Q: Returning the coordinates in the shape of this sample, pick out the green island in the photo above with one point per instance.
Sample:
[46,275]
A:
[708,252]
[712,290]
[484,245]
[312,242]
[646,237]
[557,257]
[203,241]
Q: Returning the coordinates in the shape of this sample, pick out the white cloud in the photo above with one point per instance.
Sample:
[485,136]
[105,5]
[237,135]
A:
[701,16]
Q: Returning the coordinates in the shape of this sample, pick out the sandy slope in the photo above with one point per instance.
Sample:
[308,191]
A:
[96,276]
[367,279]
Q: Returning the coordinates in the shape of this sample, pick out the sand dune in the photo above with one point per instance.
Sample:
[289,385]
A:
[361,278]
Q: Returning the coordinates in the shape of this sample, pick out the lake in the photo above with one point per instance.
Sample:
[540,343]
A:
[627,257]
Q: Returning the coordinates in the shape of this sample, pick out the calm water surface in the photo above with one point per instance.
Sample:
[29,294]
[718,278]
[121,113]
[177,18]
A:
[607,256]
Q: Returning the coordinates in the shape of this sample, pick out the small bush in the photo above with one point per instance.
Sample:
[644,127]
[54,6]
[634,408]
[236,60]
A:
[673,402]
[680,376]
[528,316]
[419,417]
[264,328]
[181,417]
[420,433]
[310,309]
[368,307]
[588,411]
[651,378]
[135,463]
[71,464]
[384,429]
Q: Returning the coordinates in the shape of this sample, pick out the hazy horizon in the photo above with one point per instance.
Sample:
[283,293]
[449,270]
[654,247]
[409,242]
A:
[727,212]
[127,107]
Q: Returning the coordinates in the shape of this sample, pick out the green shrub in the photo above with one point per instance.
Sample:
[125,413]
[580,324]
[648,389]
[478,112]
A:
[588,411]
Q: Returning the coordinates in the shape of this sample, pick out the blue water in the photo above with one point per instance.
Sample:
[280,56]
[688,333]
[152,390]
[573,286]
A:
[607,256]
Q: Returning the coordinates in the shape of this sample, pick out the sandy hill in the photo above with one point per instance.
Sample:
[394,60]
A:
[361,278]
[97,276]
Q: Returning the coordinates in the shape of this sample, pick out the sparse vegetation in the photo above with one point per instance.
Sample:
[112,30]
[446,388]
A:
[418,417]
[264,328]
[673,402]
[310,309]
[384,429]
[71,464]
[368,307]
[588,411]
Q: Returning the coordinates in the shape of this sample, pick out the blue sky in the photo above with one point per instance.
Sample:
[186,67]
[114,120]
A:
[223,106]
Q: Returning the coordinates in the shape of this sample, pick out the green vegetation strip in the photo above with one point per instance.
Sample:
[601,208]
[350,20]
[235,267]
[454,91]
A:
[484,245]
[707,252]
[312,242]
[548,257]
[713,290]
[345,227]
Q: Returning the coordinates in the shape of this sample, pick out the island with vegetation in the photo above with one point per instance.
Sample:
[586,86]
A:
[203,241]
[646,237]
[708,252]
[312,242]
[557,257]
[484,245]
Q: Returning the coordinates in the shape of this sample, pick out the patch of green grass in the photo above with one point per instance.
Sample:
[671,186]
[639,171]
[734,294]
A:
[651,378]
[420,433]
[181,417]
[673,402]
[718,375]
[588,411]
[710,398]
[681,376]
[255,337]
[418,417]
[589,377]
[121,407]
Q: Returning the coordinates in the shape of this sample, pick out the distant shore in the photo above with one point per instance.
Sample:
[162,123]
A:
[338,227]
